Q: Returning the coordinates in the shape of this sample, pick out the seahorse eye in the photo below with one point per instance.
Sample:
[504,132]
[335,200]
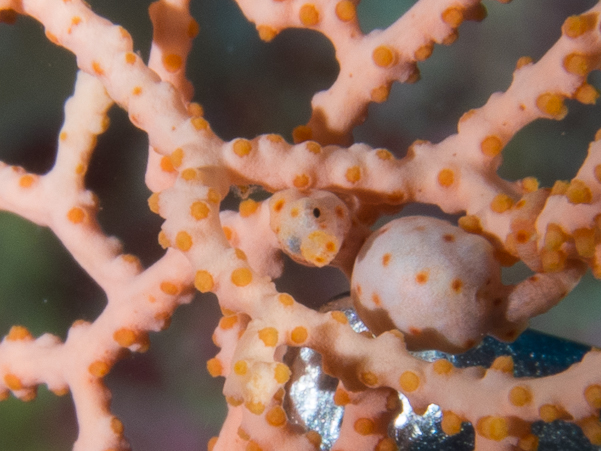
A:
[316,212]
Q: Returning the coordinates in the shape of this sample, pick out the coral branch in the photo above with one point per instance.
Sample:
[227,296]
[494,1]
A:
[416,282]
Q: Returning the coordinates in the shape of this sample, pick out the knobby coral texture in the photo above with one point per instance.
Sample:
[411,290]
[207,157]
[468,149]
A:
[318,199]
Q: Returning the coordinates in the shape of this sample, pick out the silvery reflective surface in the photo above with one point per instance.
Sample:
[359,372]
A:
[309,400]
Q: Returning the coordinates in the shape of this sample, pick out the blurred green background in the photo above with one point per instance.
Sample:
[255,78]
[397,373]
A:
[165,397]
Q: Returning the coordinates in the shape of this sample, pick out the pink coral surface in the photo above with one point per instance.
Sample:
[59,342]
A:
[316,197]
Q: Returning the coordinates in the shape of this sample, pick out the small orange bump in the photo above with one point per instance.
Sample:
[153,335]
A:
[492,428]
[491,146]
[376,299]
[302,133]
[167,165]
[450,423]
[591,428]
[586,94]
[243,434]
[386,259]
[576,26]
[528,442]
[584,239]
[452,17]
[80,169]
[172,62]
[228,233]
[203,281]
[522,236]
[257,408]
[233,401]
[364,426]
[177,157]
[117,426]
[266,33]
[195,109]
[301,181]
[153,203]
[130,58]
[520,396]
[213,196]
[19,333]
[241,277]
[559,188]
[503,363]
[353,174]
[282,373]
[125,337]
[285,299]
[446,177]
[380,94]
[386,444]
[384,56]
[26,181]
[169,288]
[341,397]
[552,105]
[248,207]
[299,335]
[241,367]
[553,260]
[369,378]
[346,10]
[76,215]
[13,382]
[529,184]
[183,241]
[384,155]
[501,203]
[308,15]
[592,394]
[60,391]
[214,367]
[448,238]
[339,316]
[313,147]
[269,336]
[199,210]
[163,240]
[227,322]
[409,381]
[189,174]
[422,277]
[549,413]
[242,147]
[97,68]
[424,52]
[211,443]
[457,285]
[579,193]
[578,64]
[276,416]
[523,61]
[442,367]
[199,123]
[470,223]
[99,368]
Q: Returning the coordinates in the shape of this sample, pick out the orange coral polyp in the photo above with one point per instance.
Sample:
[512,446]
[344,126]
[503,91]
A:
[416,282]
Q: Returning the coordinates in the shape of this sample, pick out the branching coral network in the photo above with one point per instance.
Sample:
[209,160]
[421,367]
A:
[417,282]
